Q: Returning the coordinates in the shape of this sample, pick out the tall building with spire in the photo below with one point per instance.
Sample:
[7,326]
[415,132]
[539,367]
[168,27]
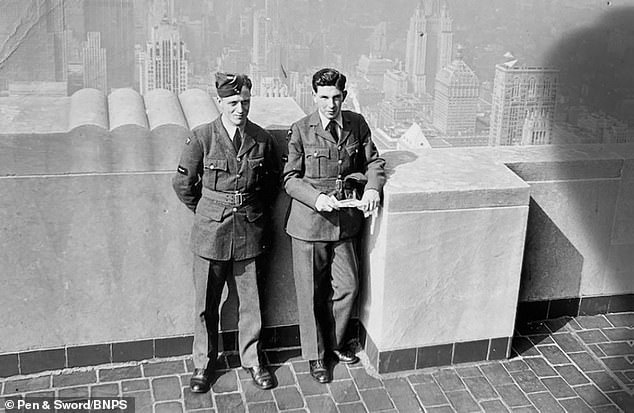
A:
[456,98]
[164,63]
[523,104]
[429,44]
[269,53]
[261,37]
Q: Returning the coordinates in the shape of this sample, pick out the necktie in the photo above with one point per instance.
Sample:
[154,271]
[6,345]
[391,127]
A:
[237,140]
[332,129]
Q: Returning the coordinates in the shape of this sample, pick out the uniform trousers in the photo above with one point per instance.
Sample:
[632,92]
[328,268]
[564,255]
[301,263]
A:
[326,282]
[209,280]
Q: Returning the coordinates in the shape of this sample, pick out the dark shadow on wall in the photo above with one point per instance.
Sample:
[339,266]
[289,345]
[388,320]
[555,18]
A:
[551,265]
[596,91]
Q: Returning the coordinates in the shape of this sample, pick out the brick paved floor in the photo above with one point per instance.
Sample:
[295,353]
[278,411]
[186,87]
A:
[585,364]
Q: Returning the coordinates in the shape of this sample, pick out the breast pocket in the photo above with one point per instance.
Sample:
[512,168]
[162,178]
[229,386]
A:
[255,170]
[317,161]
[214,168]
[352,150]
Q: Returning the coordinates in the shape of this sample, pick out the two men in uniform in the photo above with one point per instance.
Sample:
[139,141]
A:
[228,174]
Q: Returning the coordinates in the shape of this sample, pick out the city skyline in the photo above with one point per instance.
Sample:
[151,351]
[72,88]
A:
[279,43]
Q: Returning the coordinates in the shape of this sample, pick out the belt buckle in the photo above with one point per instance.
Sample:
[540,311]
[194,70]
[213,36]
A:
[238,198]
[339,186]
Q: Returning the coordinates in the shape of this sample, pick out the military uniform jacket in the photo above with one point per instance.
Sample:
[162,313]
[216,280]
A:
[209,162]
[315,161]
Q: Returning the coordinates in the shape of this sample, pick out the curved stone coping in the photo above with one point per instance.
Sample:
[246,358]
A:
[88,107]
[126,107]
[163,108]
[198,107]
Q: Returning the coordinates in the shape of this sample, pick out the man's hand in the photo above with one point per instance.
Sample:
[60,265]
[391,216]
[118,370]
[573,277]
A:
[325,203]
[371,200]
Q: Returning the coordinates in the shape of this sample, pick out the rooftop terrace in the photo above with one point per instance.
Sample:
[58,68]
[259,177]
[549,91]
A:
[471,245]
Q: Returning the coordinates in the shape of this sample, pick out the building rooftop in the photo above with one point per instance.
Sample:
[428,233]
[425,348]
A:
[565,364]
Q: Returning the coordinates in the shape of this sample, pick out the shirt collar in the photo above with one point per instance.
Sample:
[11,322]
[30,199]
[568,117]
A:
[231,128]
[325,120]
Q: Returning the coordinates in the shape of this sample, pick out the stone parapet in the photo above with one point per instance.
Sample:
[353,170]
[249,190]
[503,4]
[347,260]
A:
[88,222]
[88,108]
[468,235]
[126,108]
[445,255]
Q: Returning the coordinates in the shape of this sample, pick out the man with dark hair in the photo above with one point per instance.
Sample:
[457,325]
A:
[330,156]
[227,175]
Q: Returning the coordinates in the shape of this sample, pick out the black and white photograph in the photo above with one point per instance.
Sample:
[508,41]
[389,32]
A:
[317,206]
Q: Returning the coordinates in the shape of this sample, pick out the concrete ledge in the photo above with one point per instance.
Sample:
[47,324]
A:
[88,108]
[163,108]
[198,107]
[567,170]
[126,143]
[125,107]
[443,180]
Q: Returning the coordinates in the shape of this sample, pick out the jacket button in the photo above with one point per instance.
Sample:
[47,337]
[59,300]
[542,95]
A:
[339,161]
[339,147]
[238,175]
[235,209]
[315,154]
[238,159]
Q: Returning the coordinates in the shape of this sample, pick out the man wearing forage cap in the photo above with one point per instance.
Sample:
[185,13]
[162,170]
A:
[227,175]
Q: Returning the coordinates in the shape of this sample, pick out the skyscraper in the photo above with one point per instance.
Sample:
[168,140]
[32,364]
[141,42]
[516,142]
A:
[429,45]
[164,63]
[261,37]
[94,63]
[523,107]
[394,84]
[270,54]
[456,98]
[114,19]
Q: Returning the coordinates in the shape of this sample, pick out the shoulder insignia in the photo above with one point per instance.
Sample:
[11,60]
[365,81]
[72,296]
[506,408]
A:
[181,170]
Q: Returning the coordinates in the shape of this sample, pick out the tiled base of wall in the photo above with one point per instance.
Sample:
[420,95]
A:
[281,337]
[433,356]
[29,362]
[573,307]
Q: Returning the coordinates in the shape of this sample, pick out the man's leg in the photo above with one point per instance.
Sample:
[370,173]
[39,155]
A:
[310,264]
[209,277]
[250,321]
[249,316]
[345,284]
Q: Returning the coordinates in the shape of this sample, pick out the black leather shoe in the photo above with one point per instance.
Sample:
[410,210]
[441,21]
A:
[345,356]
[319,371]
[200,381]
[261,377]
